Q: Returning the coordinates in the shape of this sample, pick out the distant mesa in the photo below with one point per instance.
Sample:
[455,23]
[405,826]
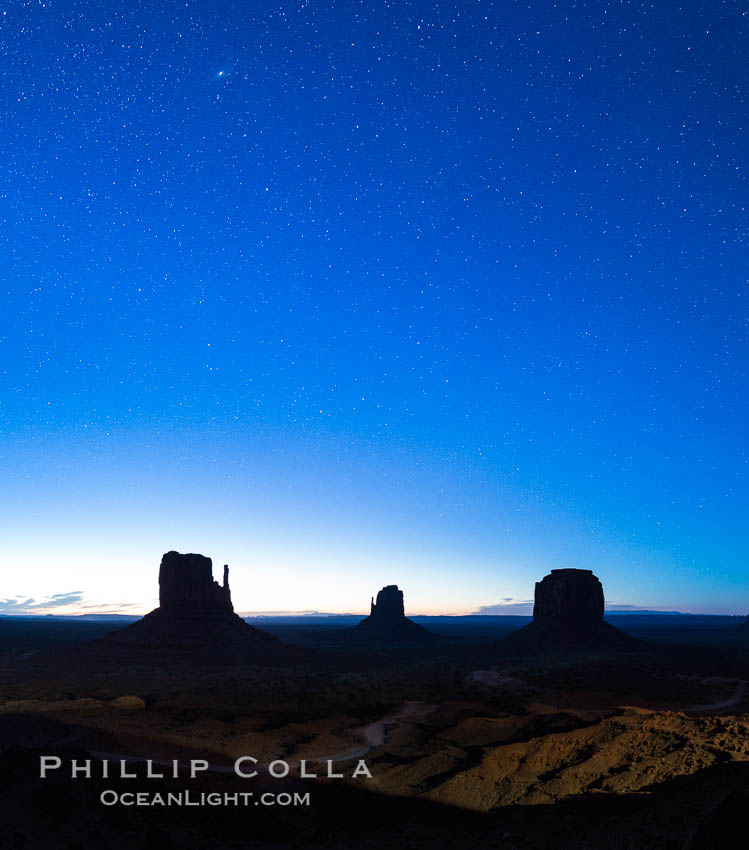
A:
[195,614]
[387,620]
[568,613]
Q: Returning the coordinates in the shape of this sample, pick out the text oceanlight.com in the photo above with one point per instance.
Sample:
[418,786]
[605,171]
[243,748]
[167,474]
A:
[193,798]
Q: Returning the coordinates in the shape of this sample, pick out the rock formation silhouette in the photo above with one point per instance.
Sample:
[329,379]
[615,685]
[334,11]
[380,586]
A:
[195,615]
[568,595]
[186,586]
[387,620]
[389,603]
[568,613]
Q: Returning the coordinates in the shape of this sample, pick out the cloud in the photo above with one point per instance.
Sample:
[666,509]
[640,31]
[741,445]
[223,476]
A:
[509,606]
[86,606]
[524,608]
[29,605]
[615,608]
[13,605]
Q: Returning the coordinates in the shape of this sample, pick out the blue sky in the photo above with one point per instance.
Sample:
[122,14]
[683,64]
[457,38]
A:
[344,294]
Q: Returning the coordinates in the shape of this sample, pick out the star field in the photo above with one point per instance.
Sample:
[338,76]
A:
[447,294]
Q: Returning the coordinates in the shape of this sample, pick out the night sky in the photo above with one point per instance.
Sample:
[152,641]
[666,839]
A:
[347,294]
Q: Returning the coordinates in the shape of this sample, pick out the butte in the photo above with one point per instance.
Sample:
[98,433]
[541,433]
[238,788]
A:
[387,621]
[195,617]
[568,614]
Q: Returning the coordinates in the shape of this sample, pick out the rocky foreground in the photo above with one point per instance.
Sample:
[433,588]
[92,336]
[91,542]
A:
[505,756]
